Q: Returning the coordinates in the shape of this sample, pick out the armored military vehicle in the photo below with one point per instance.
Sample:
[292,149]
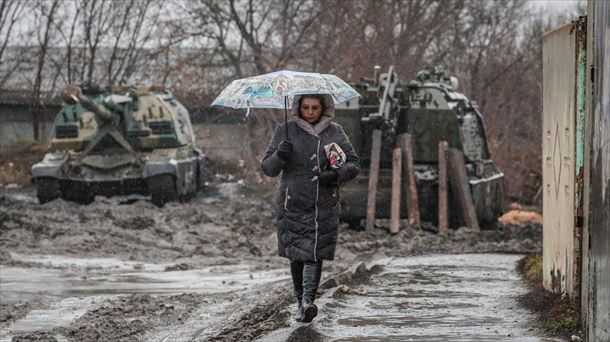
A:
[431,110]
[117,141]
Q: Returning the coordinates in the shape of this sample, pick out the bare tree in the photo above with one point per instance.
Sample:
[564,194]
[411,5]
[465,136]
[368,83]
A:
[10,13]
[351,37]
[47,12]
[106,41]
[131,34]
[257,36]
[198,46]
[70,44]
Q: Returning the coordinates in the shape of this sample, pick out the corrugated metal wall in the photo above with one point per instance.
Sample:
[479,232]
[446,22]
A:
[559,72]
[596,257]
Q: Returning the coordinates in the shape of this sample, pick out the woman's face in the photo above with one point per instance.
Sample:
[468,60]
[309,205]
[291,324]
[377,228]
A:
[311,109]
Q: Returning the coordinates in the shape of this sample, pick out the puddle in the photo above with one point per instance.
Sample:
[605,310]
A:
[72,292]
[59,314]
[469,297]
[18,285]
[61,261]
[113,277]
[19,196]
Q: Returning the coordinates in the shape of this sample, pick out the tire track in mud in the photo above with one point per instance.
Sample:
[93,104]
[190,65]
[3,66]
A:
[268,312]
[128,318]
[153,317]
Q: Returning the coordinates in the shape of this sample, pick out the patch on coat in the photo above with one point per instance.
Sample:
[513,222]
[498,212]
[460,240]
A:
[335,155]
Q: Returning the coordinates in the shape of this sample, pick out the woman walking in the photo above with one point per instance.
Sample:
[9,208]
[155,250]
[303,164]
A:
[315,159]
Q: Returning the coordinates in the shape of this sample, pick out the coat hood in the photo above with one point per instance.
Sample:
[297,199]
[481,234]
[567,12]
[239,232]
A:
[326,118]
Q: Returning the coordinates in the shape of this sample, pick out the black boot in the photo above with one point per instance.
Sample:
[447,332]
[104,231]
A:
[296,269]
[311,280]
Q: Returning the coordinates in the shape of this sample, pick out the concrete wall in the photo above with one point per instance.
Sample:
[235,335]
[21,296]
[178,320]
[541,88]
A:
[596,236]
[228,144]
[558,169]
[16,124]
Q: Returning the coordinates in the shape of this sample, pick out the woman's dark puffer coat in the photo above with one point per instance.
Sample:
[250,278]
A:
[307,218]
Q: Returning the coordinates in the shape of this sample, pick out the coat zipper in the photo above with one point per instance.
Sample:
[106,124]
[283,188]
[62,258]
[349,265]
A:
[315,248]
[286,199]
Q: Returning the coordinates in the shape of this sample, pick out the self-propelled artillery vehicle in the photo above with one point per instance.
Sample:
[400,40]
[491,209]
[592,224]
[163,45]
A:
[431,110]
[118,141]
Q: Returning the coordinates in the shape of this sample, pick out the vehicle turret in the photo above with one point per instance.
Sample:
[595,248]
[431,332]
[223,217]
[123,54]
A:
[430,109]
[73,94]
[118,140]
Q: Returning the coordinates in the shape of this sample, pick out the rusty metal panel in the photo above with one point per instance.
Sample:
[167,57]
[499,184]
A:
[579,30]
[597,178]
[584,252]
[558,169]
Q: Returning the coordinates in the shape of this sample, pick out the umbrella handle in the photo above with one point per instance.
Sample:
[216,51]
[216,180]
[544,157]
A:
[286,115]
[248,110]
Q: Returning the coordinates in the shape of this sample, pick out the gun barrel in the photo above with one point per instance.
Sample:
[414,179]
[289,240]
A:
[98,109]
[73,94]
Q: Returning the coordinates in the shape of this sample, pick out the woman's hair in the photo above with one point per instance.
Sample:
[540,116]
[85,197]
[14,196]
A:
[318,97]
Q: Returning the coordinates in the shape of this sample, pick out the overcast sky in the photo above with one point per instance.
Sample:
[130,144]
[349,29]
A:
[555,6]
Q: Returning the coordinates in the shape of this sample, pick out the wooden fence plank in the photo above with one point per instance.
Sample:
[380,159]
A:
[461,190]
[443,222]
[413,203]
[396,184]
[373,179]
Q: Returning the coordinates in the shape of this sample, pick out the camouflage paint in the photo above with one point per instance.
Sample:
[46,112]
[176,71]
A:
[127,136]
[431,110]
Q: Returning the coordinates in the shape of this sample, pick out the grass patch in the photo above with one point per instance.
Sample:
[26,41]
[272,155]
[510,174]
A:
[530,268]
[557,314]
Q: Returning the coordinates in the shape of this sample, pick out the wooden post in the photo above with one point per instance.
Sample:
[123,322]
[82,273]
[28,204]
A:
[459,185]
[405,145]
[396,176]
[442,187]
[373,179]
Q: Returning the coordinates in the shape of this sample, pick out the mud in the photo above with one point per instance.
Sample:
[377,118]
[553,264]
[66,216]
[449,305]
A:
[425,298]
[423,239]
[127,318]
[122,269]
[9,313]
[206,230]
[266,316]
[556,314]
[36,337]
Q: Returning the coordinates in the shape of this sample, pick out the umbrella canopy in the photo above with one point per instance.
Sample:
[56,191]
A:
[274,90]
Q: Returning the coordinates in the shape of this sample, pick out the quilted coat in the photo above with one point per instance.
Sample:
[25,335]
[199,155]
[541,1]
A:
[307,211]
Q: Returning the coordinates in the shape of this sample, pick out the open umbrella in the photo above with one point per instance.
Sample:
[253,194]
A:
[273,90]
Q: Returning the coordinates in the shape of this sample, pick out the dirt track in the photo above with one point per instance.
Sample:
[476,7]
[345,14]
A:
[227,231]
[429,298]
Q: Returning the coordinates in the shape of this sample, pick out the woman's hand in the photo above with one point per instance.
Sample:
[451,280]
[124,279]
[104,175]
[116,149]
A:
[284,150]
[328,177]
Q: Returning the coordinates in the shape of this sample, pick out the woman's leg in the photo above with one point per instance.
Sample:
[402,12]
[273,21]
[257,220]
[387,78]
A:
[312,272]
[296,270]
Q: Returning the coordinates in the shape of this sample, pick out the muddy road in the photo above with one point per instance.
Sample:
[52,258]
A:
[431,298]
[121,269]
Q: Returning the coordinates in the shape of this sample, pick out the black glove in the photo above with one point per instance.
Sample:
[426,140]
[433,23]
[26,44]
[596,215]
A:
[284,150]
[328,177]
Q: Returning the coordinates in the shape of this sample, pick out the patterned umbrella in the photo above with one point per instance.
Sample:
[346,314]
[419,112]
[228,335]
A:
[276,89]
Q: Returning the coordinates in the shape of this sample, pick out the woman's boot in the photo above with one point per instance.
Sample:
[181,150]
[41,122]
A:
[311,280]
[296,269]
